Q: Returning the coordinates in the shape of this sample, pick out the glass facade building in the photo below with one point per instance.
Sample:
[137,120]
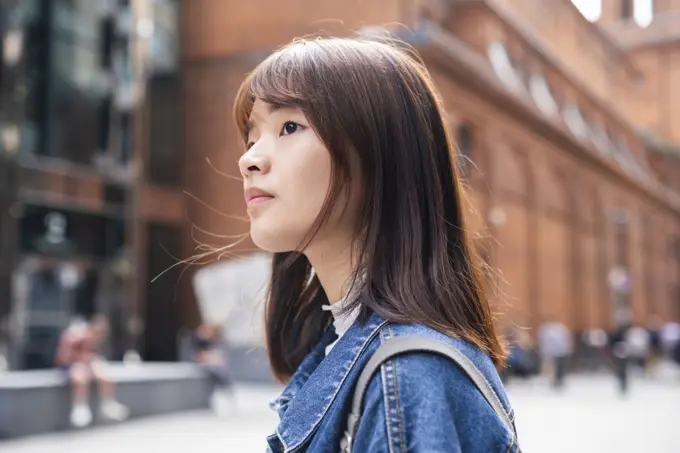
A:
[72,85]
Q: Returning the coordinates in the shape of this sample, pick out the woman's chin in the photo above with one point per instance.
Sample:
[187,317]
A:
[271,241]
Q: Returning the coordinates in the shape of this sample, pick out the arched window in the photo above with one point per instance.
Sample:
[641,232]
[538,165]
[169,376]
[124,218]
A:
[503,67]
[542,95]
[574,120]
[643,12]
[591,9]
[600,138]
[465,144]
[640,11]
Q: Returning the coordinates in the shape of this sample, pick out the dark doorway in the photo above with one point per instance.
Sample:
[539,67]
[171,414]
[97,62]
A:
[161,320]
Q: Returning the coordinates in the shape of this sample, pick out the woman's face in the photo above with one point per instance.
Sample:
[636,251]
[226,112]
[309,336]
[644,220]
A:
[287,174]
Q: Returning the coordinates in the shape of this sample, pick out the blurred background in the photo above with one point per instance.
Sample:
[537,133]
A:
[116,147]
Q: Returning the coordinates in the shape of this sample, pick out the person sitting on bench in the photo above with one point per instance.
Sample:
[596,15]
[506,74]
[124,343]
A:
[78,356]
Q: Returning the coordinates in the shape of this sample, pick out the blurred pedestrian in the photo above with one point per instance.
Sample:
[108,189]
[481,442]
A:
[210,352]
[656,349]
[638,341]
[595,348]
[79,357]
[556,347]
[620,356]
[351,181]
[522,359]
[670,336]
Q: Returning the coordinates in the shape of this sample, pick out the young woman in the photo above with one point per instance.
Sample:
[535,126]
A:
[350,181]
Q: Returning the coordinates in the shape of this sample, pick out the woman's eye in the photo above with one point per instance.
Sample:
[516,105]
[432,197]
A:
[249,145]
[290,127]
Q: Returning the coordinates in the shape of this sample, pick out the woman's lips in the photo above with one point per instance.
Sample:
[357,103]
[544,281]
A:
[255,201]
[255,196]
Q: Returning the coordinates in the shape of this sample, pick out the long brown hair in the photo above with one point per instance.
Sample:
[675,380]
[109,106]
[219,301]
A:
[415,258]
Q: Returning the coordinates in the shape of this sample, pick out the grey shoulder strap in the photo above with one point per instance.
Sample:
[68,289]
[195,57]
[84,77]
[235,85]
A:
[400,345]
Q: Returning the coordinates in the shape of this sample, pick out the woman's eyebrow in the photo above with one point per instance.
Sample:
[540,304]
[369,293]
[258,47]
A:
[277,107]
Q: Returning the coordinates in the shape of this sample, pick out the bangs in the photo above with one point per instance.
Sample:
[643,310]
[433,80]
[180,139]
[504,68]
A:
[279,80]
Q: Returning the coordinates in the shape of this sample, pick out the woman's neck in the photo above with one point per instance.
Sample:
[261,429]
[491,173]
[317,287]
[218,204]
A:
[334,266]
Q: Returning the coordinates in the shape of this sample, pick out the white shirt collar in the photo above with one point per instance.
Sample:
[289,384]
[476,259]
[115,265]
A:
[341,322]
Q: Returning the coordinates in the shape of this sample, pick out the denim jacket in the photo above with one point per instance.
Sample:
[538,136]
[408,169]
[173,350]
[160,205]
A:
[419,402]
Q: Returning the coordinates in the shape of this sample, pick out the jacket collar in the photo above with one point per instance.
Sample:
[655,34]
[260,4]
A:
[301,375]
[316,383]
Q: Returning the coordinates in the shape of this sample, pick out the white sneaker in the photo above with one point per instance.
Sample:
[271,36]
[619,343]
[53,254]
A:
[115,411]
[81,415]
[222,404]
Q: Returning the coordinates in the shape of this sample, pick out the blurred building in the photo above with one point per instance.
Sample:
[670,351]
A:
[571,128]
[117,143]
[81,157]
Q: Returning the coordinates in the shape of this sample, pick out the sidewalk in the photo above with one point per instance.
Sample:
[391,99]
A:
[589,416]
[243,431]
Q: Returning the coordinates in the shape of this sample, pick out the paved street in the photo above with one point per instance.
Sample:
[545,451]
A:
[588,417]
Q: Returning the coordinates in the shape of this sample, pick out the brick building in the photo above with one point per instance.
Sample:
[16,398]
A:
[573,128]
[113,110]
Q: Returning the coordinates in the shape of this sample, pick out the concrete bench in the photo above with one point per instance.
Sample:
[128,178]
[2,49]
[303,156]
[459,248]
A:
[249,364]
[33,402]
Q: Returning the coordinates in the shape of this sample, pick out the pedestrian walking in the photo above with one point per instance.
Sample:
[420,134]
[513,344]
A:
[620,356]
[656,349]
[556,347]
[210,352]
[638,341]
[351,181]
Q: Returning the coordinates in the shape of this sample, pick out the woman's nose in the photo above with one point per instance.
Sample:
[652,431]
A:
[251,162]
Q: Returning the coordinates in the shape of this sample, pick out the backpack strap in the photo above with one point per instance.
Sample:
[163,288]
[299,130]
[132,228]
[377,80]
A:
[400,345]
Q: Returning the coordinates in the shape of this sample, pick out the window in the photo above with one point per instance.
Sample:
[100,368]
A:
[125,137]
[621,220]
[464,143]
[126,85]
[626,9]
[643,12]
[622,156]
[79,103]
[573,118]
[66,104]
[107,41]
[634,164]
[164,41]
[503,67]
[59,232]
[591,9]
[648,250]
[600,138]
[76,20]
[33,128]
[542,96]
[165,149]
